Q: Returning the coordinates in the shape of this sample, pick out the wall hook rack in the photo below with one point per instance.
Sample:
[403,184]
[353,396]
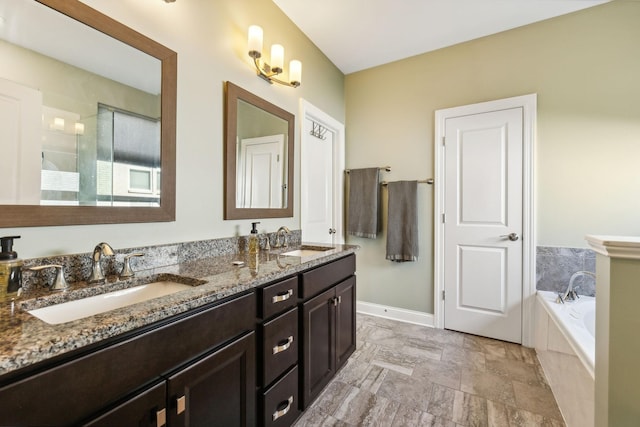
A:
[318,131]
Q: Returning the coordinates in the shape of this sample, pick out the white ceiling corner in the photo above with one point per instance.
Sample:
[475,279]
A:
[360,34]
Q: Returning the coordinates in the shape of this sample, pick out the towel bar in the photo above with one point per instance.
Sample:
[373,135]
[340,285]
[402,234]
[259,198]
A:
[420,181]
[385,168]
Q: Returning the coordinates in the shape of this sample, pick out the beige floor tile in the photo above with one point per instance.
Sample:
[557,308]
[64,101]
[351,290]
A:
[361,407]
[470,410]
[406,390]
[536,399]
[515,370]
[509,416]
[464,358]
[440,372]
[489,386]
[409,375]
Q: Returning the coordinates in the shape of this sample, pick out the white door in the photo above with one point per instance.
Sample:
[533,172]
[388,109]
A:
[261,172]
[21,142]
[321,182]
[483,224]
[317,187]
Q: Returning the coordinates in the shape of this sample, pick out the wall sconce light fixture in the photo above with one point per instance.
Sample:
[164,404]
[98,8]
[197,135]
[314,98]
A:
[269,72]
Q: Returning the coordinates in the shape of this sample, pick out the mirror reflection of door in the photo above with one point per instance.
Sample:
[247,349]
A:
[261,172]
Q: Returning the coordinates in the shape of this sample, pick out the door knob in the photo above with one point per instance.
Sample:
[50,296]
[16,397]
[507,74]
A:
[511,236]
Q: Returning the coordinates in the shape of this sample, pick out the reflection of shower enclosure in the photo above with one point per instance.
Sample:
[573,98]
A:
[59,174]
[127,164]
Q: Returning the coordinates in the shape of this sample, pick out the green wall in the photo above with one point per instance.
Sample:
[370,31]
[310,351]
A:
[584,67]
[210,38]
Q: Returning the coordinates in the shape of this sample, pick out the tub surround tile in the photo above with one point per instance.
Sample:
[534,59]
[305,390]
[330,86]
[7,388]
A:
[555,265]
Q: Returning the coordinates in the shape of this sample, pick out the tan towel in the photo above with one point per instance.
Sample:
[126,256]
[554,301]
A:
[402,227]
[364,196]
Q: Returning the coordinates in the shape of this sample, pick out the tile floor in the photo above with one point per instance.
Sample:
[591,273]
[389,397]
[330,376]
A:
[410,375]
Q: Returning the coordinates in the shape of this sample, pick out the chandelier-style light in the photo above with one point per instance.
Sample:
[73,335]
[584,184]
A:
[270,72]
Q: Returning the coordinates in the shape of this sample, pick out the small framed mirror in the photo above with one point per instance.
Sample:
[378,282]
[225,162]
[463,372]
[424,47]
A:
[259,140]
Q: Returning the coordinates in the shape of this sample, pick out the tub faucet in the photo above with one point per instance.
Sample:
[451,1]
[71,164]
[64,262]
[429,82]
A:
[96,269]
[571,294]
[284,231]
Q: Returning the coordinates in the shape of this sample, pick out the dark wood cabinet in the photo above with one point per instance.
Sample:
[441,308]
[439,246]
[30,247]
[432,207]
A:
[258,358]
[218,390]
[318,329]
[328,326]
[278,340]
[101,382]
[146,409]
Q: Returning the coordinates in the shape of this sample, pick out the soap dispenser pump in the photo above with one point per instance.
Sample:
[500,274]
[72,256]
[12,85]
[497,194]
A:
[253,239]
[10,269]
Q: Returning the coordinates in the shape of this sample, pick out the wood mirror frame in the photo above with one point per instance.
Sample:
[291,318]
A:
[38,215]
[233,94]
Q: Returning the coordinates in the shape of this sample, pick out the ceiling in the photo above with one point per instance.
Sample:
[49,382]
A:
[360,34]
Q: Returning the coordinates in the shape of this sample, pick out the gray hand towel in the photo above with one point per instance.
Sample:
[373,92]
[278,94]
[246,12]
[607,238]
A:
[402,227]
[364,195]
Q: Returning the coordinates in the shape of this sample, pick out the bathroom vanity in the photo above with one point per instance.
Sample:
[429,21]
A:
[243,348]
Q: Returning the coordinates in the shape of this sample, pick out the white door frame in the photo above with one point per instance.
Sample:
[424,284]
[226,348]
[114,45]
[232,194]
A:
[529,104]
[311,112]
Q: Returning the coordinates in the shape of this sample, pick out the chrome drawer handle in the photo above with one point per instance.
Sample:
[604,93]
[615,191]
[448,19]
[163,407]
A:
[285,410]
[280,348]
[282,297]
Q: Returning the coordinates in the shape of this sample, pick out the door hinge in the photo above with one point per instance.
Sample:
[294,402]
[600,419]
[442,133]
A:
[444,141]
[444,218]
[442,295]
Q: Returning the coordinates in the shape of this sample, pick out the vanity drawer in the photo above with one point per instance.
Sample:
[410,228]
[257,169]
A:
[280,402]
[278,297]
[279,345]
[317,280]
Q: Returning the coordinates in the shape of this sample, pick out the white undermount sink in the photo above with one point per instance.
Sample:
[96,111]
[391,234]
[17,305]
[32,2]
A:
[307,250]
[90,306]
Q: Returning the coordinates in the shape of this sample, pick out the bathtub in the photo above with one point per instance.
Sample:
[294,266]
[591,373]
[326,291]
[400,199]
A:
[565,346]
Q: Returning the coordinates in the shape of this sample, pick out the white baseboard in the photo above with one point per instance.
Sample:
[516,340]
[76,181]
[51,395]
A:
[394,313]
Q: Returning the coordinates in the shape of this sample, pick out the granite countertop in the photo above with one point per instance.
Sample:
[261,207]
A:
[27,340]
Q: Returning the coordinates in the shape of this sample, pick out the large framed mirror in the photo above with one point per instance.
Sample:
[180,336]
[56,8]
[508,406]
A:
[259,140]
[88,110]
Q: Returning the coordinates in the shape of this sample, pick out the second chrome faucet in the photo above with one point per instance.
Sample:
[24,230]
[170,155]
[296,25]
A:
[96,268]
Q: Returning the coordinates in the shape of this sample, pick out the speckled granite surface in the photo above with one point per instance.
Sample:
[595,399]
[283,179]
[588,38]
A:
[27,340]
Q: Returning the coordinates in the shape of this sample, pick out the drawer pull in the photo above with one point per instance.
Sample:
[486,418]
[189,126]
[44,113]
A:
[181,404]
[280,348]
[161,417]
[282,297]
[282,412]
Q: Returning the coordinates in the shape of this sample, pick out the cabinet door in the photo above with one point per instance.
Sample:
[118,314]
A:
[146,409]
[217,390]
[345,320]
[318,326]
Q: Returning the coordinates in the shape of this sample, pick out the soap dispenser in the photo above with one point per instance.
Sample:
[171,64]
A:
[10,269]
[254,245]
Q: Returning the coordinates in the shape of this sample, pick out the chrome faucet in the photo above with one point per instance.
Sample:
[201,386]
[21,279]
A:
[571,294]
[96,269]
[284,231]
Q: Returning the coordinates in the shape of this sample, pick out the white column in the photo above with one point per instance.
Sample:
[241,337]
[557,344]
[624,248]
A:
[617,374]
